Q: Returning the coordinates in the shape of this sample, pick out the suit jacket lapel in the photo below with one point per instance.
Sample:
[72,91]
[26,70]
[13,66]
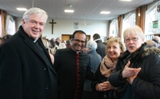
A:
[47,61]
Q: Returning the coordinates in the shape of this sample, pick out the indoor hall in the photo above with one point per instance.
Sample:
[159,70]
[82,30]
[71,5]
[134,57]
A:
[106,17]
[34,70]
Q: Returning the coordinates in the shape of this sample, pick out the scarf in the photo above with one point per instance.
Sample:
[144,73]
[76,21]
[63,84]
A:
[107,66]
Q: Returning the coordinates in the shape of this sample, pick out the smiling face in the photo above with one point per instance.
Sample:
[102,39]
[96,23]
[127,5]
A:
[79,41]
[114,50]
[34,25]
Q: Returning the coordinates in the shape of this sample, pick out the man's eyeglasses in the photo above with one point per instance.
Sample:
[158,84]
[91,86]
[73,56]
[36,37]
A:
[79,41]
[133,39]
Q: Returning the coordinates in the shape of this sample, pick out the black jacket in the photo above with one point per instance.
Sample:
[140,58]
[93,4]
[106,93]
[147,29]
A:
[147,83]
[72,69]
[101,48]
[24,72]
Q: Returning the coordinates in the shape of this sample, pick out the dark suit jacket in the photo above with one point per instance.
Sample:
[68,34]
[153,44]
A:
[71,69]
[24,72]
[101,48]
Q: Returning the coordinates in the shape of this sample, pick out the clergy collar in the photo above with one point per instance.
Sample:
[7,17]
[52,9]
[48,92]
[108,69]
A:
[35,40]
[26,35]
[77,51]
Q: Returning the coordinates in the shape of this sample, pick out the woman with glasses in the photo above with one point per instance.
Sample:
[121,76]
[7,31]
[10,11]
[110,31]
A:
[100,84]
[137,73]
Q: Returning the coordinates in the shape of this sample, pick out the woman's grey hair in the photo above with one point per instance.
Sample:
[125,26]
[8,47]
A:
[92,45]
[134,30]
[37,11]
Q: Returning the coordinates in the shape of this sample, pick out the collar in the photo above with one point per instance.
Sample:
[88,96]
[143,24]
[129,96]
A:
[35,40]
[97,39]
[76,51]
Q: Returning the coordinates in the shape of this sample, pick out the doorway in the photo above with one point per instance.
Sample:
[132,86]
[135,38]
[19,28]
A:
[68,37]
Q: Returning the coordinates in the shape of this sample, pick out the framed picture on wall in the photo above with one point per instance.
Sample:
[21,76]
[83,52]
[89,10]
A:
[75,25]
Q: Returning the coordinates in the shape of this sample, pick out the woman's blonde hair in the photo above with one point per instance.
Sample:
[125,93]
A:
[117,40]
[134,30]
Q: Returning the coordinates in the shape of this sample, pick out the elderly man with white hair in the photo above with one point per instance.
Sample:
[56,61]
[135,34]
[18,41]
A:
[95,60]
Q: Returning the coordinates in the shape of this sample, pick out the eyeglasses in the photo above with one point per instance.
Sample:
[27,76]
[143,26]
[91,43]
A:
[133,39]
[78,41]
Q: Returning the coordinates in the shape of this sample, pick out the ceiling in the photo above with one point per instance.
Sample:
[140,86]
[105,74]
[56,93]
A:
[83,9]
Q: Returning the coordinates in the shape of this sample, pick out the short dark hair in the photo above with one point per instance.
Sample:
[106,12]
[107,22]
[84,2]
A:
[6,37]
[78,31]
[68,42]
[96,36]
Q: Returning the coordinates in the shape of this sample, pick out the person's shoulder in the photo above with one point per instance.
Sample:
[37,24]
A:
[83,53]
[99,56]
[151,51]
[11,42]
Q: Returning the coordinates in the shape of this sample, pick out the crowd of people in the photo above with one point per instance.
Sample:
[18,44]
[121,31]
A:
[33,67]
[4,39]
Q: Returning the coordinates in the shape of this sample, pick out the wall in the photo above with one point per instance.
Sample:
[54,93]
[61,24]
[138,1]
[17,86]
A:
[66,26]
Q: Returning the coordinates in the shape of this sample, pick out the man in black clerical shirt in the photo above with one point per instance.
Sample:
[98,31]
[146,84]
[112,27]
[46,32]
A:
[72,65]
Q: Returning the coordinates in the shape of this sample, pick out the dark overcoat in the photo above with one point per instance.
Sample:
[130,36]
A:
[147,83]
[24,72]
[101,48]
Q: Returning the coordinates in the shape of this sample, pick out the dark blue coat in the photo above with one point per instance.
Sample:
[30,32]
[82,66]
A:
[95,60]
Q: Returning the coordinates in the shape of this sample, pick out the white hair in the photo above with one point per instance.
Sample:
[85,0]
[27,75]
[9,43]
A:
[36,11]
[92,45]
[135,30]
[62,45]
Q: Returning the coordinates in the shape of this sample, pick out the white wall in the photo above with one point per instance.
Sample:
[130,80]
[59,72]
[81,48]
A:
[66,26]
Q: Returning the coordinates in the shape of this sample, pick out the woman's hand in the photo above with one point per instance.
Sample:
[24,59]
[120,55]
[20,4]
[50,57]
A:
[131,79]
[130,72]
[104,86]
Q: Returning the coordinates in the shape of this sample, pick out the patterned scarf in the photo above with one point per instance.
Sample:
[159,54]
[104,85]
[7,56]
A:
[107,66]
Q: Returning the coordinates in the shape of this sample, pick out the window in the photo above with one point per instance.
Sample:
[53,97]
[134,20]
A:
[129,20]
[10,25]
[152,25]
[114,28]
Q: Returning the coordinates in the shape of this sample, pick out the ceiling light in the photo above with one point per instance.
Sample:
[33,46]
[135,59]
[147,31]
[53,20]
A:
[69,11]
[21,9]
[105,12]
[125,0]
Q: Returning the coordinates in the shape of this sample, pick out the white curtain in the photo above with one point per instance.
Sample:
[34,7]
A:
[10,25]
[114,28]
